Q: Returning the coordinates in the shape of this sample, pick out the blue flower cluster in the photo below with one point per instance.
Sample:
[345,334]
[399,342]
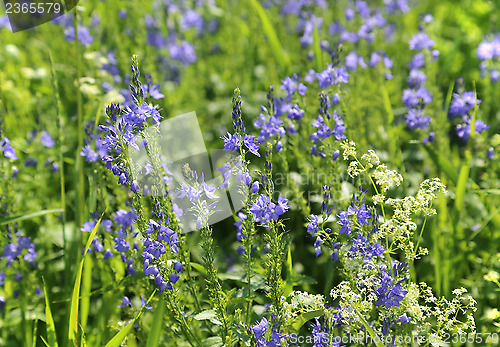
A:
[6,148]
[175,42]
[364,251]
[17,247]
[417,96]
[324,131]
[461,107]
[233,142]
[154,248]
[83,32]
[322,328]
[124,234]
[489,52]
[265,211]
[263,335]
[360,26]
[390,293]
[271,124]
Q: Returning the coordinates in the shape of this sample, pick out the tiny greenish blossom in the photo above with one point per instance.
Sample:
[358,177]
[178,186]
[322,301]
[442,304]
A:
[349,149]
[299,302]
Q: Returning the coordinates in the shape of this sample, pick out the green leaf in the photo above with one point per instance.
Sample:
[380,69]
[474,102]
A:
[302,279]
[278,52]
[214,341]
[299,321]
[117,340]
[198,267]
[75,298]
[156,328]
[24,216]
[49,321]
[204,315]
[241,276]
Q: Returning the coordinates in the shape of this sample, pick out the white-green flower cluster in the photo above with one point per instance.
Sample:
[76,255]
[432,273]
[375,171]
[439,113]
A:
[383,177]
[359,294]
[401,225]
[299,302]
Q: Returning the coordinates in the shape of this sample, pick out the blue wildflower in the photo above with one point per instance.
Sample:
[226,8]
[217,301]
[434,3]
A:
[292,85]
[364,249]
[389,294]
[345,224]
[491,153]
[231,142]
[312,226]
[84,35]
[47,140]
[415,119]
[183,52]
[421,41]
[7,149]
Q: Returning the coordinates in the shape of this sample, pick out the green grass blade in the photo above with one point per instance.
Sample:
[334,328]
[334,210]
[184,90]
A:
[49,320]
[488,191]
[35,330]
[462,185]
[158,322]
[278,52]
[75,299]
[376,339]
[24,216]
[117,340]
[485,223]
[393,132]
[318,58]
[60,130]
[85,296]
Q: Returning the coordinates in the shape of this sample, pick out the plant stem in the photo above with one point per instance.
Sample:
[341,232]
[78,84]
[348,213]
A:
[214,286]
